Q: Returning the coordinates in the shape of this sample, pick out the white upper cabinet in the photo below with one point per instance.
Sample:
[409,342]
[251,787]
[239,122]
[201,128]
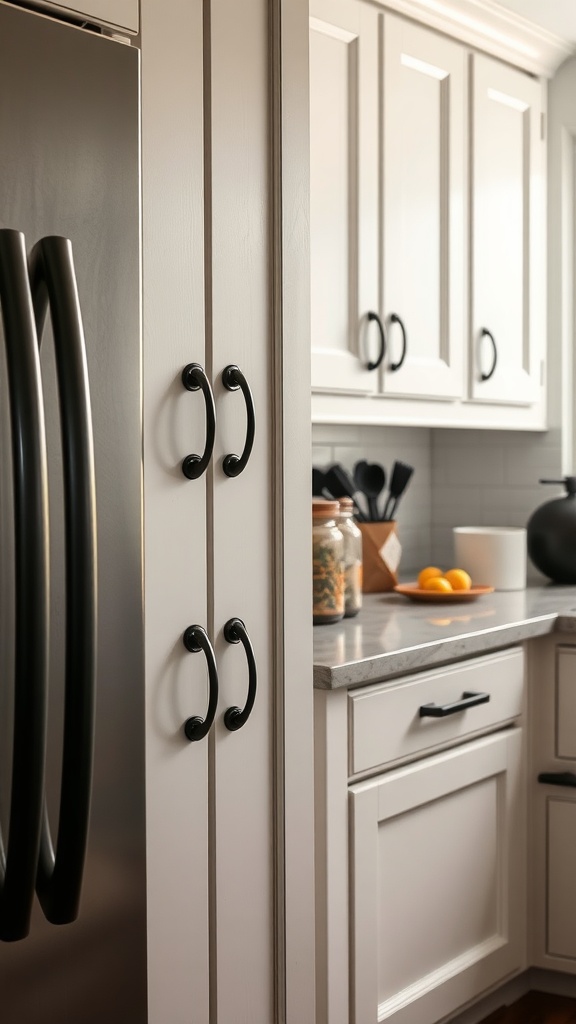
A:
[507,236]
[422,214]
[427,227]
[343,197]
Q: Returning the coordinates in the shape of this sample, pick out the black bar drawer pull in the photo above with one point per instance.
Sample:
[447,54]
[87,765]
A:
[468,700]
[558,778]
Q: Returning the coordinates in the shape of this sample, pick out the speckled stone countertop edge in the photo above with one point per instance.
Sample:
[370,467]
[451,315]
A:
[361,652]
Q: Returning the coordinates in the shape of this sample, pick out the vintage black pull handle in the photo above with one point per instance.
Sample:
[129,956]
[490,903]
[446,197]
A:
[54,288]
[19,856]
[468,700]
[233,378]
[395,319]
[485,333]
[193,379]
[372,316]
[234,633]
[558,778]
[196,639]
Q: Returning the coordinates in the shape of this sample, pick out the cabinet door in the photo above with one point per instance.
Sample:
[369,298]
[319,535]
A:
[422,216]
[507,235]
[554,818]
[438,881]
[343,196]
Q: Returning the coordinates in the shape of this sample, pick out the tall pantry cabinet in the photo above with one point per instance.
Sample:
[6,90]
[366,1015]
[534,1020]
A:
[224,149]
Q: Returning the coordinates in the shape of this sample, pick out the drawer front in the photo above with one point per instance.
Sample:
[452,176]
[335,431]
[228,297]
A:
[386,724]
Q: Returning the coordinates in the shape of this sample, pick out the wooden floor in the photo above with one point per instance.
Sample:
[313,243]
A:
[536,1008]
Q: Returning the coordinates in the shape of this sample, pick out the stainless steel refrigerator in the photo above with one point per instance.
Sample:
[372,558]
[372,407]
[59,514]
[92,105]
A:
[72,847]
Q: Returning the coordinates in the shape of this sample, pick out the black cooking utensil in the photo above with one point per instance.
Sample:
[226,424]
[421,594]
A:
[401,474]
[370,480]
[340,484]
[319,488]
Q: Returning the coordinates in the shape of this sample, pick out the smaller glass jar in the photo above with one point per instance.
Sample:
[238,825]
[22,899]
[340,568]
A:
[352,558]
[327,563]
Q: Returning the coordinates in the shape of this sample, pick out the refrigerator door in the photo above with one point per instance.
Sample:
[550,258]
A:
[69,166]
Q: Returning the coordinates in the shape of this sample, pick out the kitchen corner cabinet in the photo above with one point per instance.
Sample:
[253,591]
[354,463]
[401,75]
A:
[427,227]
[553,696]
[421,837]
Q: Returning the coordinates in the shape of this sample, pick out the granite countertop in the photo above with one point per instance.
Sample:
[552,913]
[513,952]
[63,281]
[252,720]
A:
[392,635]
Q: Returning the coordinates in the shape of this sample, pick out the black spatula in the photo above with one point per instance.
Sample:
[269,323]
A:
[399,480]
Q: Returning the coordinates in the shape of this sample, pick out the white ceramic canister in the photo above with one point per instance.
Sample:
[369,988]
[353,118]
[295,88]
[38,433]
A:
[494,556]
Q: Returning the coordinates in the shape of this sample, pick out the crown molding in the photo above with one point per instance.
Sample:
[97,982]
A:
[491,28]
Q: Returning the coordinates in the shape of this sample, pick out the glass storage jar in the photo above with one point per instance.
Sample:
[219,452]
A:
[327,563]
[352,558]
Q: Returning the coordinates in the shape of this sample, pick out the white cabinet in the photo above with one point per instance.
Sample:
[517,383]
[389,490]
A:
[554,821]
[421,842]
[229,817]
[437,899]
[421,219]
[343,196]
[507,235]
[381,242]
[427,210]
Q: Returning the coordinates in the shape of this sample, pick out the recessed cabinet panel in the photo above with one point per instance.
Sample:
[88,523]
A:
[341,57]
[437,881]
[507,238]
[422,213]
[561,844]
[566,703]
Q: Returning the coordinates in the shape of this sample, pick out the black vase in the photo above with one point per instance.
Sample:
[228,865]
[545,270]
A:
[551,535]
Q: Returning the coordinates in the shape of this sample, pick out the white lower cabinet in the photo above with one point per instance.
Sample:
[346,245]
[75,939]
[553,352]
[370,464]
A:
[421,842]
[553,797]
[437,882]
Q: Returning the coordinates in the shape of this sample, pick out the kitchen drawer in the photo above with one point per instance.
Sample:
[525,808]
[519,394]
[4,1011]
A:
[386,725]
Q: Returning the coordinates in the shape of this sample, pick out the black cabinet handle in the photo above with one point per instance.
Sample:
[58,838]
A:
[19,855]
[196,639]
[234,633]
[54,288]
[468,700]
[485,333]
[233,378]
[372,316]
[395,319]
[558,778]
[193,379]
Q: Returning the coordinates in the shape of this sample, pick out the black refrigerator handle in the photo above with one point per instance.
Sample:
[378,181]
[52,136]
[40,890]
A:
[59,877]
[30,489]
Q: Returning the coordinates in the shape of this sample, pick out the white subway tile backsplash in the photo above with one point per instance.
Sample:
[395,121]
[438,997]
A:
[462,477]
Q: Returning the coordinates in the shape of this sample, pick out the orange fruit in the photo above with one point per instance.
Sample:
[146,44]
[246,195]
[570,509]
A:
[427,574]
[438,583]
[458,579]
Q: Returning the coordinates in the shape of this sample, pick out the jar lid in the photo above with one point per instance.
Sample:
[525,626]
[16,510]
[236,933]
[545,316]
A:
[323,508]
[346,505]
